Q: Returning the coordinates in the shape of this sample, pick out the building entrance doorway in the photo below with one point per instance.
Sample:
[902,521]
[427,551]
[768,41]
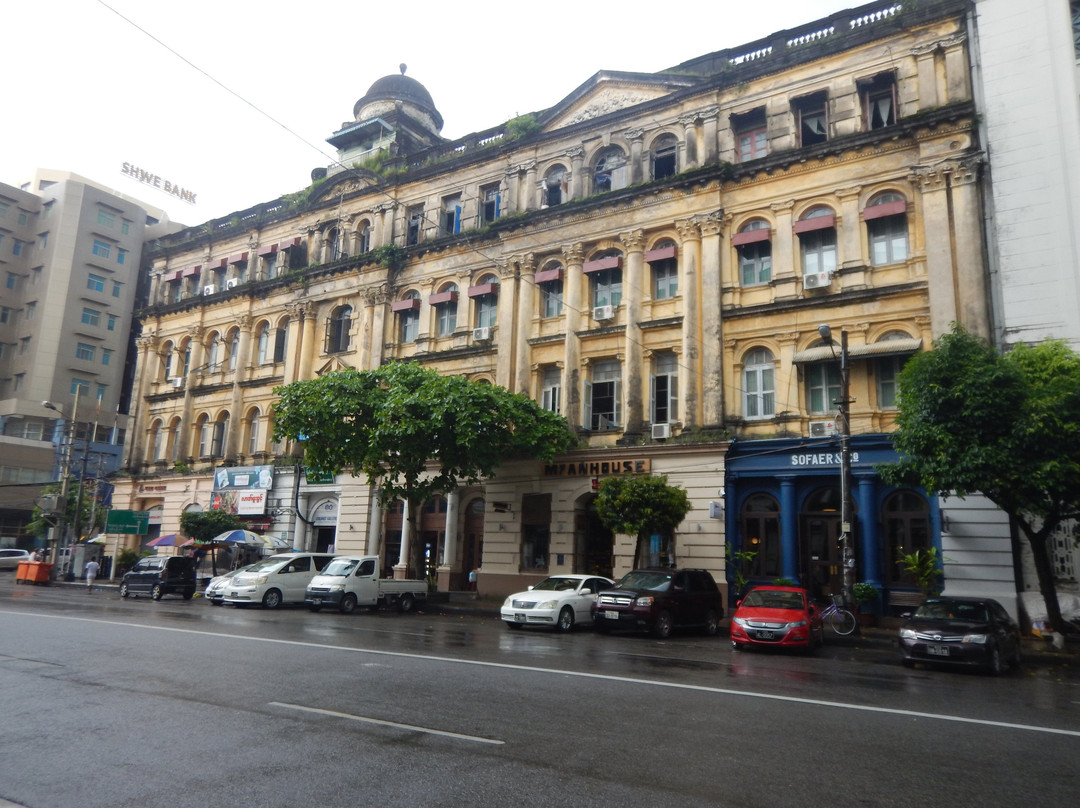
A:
[324,539]
[594,544]
[819,533]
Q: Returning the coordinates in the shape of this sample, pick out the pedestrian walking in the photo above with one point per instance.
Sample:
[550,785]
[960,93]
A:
[91,573]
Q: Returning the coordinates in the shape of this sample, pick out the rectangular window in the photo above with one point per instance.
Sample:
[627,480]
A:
[878,97]
[125,226]
[551,389]
[112,322]
[121,256]
[12,280]
[16,247]
[822,387]
[451,218]
[43,239]
[888,240]
[19,379]
[665,387]
[602,396]
[80,386]
[95,283]
[490,202]
[24,345]
[105,218]
[551,298]
[116,286]
[106,356]
[665,279]
[100,397]
[5,314]
[84,351]
[4,208]
[415,224]
[31,310]
[751,135]
[281,337]
[91,317]
[888,369]
[811,119]
[102,249]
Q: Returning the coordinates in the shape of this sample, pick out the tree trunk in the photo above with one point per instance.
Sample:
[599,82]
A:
[1044,569]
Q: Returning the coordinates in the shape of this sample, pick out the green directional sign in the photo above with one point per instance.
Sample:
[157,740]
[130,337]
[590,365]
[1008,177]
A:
[136,522]
[318,477]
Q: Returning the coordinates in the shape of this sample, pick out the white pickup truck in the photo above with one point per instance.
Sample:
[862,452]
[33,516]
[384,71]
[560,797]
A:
[351,581]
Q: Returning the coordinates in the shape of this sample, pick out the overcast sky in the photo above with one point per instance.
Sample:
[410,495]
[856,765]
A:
[86,90]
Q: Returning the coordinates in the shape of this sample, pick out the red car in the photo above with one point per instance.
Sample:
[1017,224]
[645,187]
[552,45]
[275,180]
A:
[777,617]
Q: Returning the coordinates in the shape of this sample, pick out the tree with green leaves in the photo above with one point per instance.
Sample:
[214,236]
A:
[40,522]
[972,420]
[203,526]
[413,432]
[642,506]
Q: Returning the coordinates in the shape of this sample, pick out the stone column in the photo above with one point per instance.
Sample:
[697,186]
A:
[236,399]
[511,191]
[450,542]
[712,372]
[577,178]
[957,85]
[868,555]
[940,268]
[504,318]
[690,150]
[786,261]
[789,531]
[524,312]
[973,304]
[378,326]
[402,566]
[532,195]
[367,314]
[787,379]
[690,291]
[849,227]
[145,372]
[633,292]
[925,61]
[155,284]
[243,349]
[375,524]
[639,159]
[572,286]
[710,127]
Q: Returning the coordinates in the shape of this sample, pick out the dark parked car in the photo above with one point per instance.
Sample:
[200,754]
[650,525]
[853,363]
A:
[961,631]
[659,600]
[160,575]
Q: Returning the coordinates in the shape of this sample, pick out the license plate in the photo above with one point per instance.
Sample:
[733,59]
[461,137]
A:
[519,617]
[766,635]
[937,650]
[610,615]
[316,601]
[233,594]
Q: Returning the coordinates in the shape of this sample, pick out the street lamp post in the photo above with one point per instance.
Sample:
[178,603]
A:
[65,471]
[847,555]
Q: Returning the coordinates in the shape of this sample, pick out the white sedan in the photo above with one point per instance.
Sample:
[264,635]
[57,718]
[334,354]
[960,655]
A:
[558,602]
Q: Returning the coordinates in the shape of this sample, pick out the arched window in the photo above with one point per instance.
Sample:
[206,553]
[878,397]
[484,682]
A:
[610,170]
[337,329]
[204,434]
[157,434]
[663,261]
[553,187]
[759,390]
[906,516]
[408,312]
[485,297]
[234,348]
[281,339]
[817,241]
[254,443]
[549,281]
[213,352]
[887,228]
[166,361]
[263,345]
[605,278]
[333,244]
[186,352]
[753,243]
[760,523]
[665,157]
[220,435]
[446,305]
[363,236]
[172,442]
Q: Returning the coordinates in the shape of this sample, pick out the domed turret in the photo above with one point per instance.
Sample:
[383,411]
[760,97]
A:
[385,94]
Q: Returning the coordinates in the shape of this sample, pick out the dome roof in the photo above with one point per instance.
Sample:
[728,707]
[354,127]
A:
[399,87]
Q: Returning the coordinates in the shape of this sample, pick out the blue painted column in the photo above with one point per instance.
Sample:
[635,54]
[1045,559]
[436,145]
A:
[789,529]
[869,539]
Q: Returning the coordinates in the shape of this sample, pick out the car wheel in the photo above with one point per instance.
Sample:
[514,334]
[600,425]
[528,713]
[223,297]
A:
[406,603]
[662,626]
[348,604]
[566,619]
[272,599]
[993,662]
[157,592]
[124,591]
[712,624]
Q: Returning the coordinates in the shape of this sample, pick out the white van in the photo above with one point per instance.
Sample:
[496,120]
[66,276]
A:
[275,580]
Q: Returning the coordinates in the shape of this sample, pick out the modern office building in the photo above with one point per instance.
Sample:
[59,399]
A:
[651,257]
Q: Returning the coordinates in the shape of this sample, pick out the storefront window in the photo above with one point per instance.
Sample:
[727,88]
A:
[906,515]
[761,535]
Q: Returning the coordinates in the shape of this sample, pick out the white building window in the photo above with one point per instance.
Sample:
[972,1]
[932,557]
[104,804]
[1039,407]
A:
[759,384]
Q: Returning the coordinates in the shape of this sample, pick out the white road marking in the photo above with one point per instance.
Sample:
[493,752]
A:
[838,705]
[366,720]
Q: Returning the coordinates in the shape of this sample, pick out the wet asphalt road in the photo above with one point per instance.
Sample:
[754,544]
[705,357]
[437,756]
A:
[110,702]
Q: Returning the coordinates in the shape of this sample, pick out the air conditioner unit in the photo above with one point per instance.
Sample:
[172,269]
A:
[603,312]
[816,280]
[661,431]
[177,382]
[232,283]
[481,334]
[822,429]
[210,289]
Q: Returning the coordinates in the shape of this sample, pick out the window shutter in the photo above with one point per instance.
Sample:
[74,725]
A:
[329,332]
[617,387]
[280,336]
[498,201]
[457,219]
[586,405]
[652,398]
[673,397]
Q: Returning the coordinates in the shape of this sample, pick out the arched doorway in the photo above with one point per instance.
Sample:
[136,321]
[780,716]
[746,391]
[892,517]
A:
[324,519]
[819,536]
[594,544]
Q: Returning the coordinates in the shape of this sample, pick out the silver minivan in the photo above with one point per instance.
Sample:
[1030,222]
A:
[275,580]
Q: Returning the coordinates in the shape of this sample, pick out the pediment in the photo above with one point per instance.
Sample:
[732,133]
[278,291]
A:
[608,92]
[333,365]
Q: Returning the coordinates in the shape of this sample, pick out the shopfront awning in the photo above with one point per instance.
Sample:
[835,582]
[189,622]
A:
[889,347]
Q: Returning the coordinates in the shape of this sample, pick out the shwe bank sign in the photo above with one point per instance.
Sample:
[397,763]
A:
[242,490]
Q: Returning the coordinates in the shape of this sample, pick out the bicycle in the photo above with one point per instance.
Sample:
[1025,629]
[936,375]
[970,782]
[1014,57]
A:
[840,620]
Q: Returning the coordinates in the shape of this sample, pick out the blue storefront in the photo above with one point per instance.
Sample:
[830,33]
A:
[783,505]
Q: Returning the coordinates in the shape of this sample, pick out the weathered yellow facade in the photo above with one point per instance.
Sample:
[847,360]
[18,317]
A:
[653,261]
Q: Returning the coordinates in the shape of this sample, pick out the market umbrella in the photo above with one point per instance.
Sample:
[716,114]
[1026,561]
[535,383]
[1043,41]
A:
[240,537]
[100,538]
[168,540]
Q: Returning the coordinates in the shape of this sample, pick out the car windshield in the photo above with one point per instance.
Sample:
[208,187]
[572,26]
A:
[557,584]
[951,610]
[774,600]
[644,580]
[340,567]
[267,565]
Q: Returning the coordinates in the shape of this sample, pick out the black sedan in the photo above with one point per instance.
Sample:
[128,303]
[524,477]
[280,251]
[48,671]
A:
[961,631]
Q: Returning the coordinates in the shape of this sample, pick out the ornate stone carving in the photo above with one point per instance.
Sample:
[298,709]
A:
[634,241]
[573,253]
[688,229]
[610,102]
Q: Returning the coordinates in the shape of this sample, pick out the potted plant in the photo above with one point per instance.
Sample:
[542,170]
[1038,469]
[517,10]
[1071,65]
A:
[864,593]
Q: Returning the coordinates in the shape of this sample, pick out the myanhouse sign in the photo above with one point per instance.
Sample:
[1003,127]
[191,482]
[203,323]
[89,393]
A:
[597,468]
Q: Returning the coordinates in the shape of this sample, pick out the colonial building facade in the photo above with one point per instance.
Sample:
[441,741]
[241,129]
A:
[651,257]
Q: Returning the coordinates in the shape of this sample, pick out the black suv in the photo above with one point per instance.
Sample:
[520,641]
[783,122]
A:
[658,600]
[160,575]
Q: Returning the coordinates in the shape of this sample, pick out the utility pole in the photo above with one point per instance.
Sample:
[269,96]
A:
[847,555]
